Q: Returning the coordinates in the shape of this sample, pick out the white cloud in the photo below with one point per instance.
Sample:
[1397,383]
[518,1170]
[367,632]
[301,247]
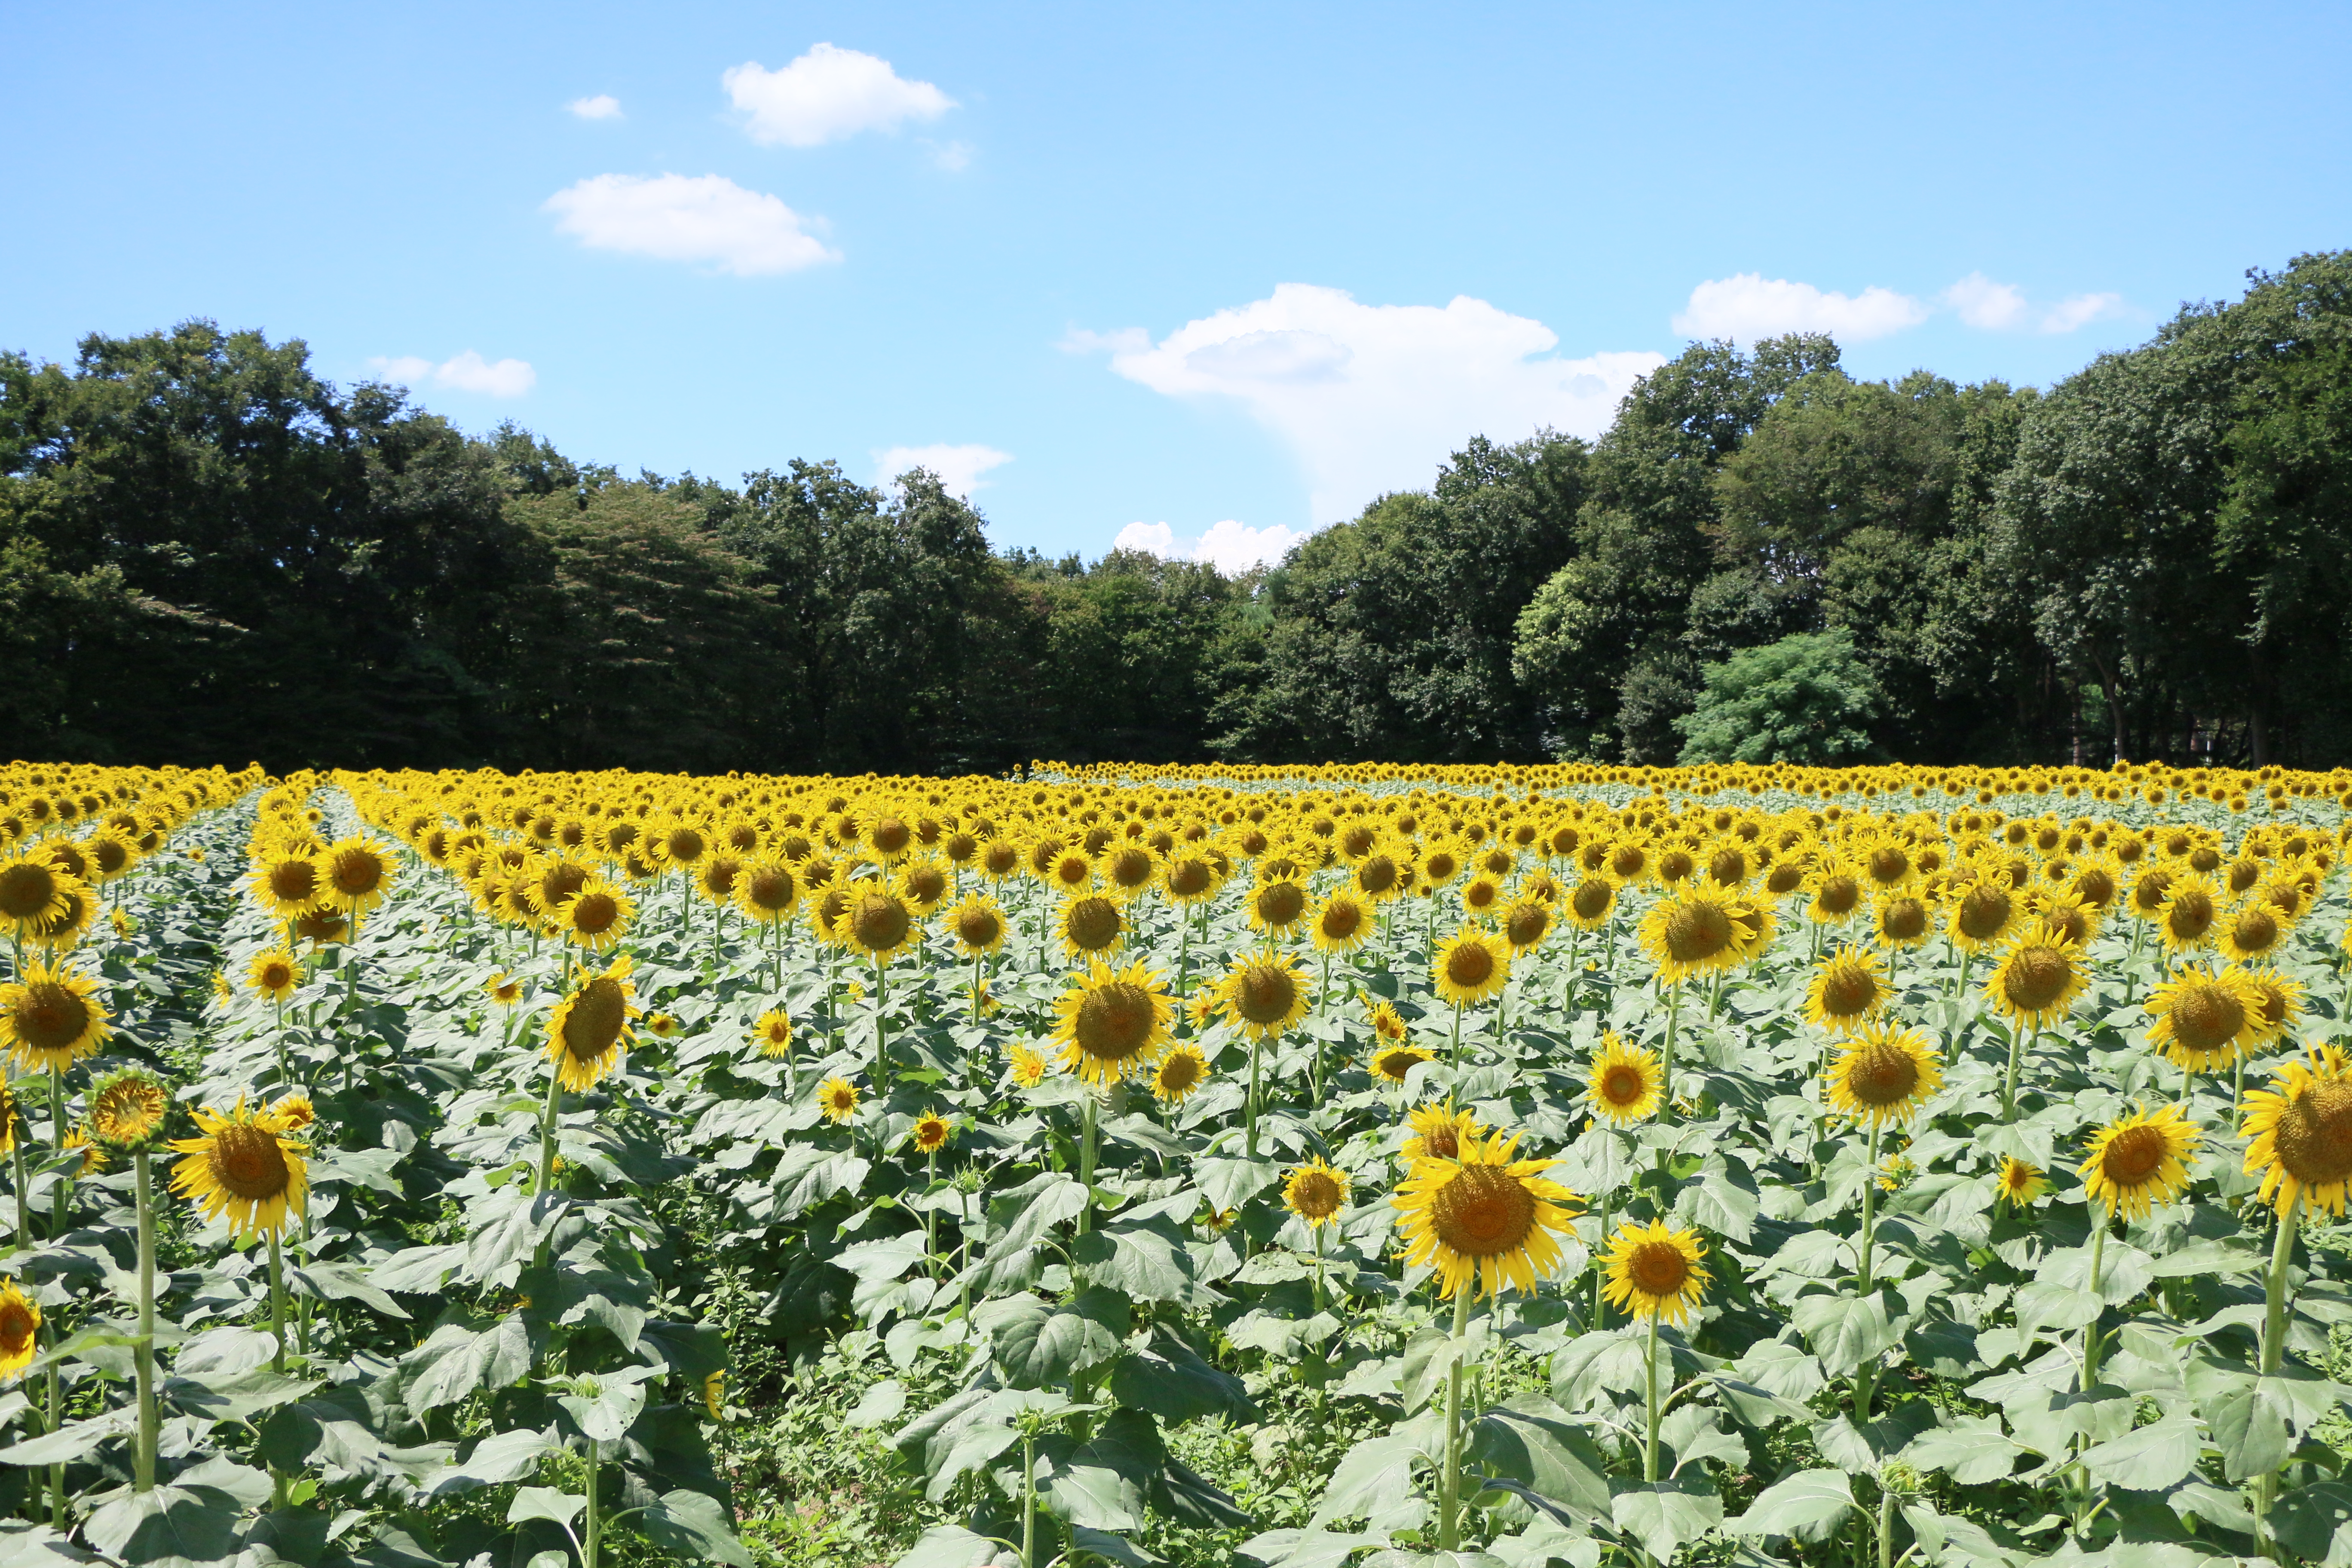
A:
[1748,306]
[674,218]
[2081,311]
[1373,397]
[1983,303]
[469,371]
[604,106]
[959,468]
[1231,546]
[827,94]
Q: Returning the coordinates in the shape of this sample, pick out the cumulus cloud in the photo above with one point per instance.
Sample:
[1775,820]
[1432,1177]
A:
[1371,398]
[604,106]
[1231,546]
[469,371]
[674,218]
[959,468]
[1748,306]
[1981,302]
[827,94]
[2081,311]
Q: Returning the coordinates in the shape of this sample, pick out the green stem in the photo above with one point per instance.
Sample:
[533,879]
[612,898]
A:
[277,1304]
[2017,1030]
[64,1180]
[2274,1350]
[2091,1335]
[1886,1525]
[1869,1215]
[591,1528]
[1667,1058]
[1028,1501]
[1449,1480]
[881,1051]
[149,1427]
[1454,1047]
[1250,1112]
[1650,1439]
[1087,1109]
[1318,1265]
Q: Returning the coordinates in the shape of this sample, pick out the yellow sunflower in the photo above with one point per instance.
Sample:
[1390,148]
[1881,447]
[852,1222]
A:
[2038,978]
[1524,925]
[243,1166]
[1653,1271]
[274,974]
[1090,924]
[292,1112]
[1848,989]
[51,1018]
[590,1027]
[2139,1160]
[1885,1075]
[1264,993]
[2302,1132]
[356,875]
[930,1134]
[1697,932]
[31,892]
[504,989]
[2205,1019]
[1181,1073]
[879,922]
[1627,1081]
[1483,1219]
[838,1096]
[1276,905]
[1979,913]
[128,1109]
[1114,1023]
[1470,966]
[1315,1192]
[1395,1063]
[2251,931]
[976,925]
[767,891]
[596,916]
[289,883]
[1387,1024]
[772,1033]
[20,1330]
[1902,919]
[2280,1002]
[1027,1067]
[1437,1133]
[1342,923]
[2020,1183]
[1590,902]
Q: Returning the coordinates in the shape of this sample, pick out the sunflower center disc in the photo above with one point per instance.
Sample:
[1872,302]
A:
[1888,865]
[295,881]
[1482,1211]
[1697,932]
[1264,993]
[2038,977]
[1590,900]
[2132,1156]
[1658,1268]
[977,927]
[1622,1085]
[2207,1018]
[1179,1073]
[1838,895]
[1469,965]
[2256,930]
[2314,1134]
[1094,923]
[1281,904]
[1340,922]
[1113,1022]
[1882,1074]
[879,923]
[246,1160]
[1316,1194]
[2190,915]
[1849,991]
[51,1018]
[1906,919]
[1983,913]
[593,914]
[595,1022]
[1525,926]
[1377,875]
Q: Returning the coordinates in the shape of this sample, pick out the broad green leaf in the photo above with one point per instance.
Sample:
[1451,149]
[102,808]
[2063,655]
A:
[496,1460]
[1144,1261]
[1546,1455]
[544,1502]
[1302,1548]
[2150,1459]
[1168,1377]
[2314,1522]
[1231,1183]
[949,1546]
[2257,1421]
[74,1441]
[1973,1450]
[603,1404]
[1809,1506]
[1372,1478]
[1039,1345]
[170,1527]
[1028,1214]
[1846,1332]
[694,1526]
[1664,1516]
[878,1405]
[1607,1360]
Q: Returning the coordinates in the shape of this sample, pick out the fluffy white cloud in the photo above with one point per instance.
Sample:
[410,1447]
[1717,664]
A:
[1373,397]
[674,218]
[604,106]
[469,371]
[1231,546]
[1748,306]
[827,94]
[1981,302]
[2081,311]
[959,468]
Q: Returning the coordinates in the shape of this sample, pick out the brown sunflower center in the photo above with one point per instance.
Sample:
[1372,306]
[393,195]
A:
[1377,875]
[978,926]
[1882,1074]
[770,888]
[2255,930]
[1657,1268]
[50,1017]
[2207,1017]
[2189,915]
[1888,864]
[879,922]
[1180,1073]
[1903,920]
[1983,913]
[1591,899]
[684,844]
[1395,1063]
[1482,1211]
[890,835]
[1848,990]
[1281,903]
[1129,868]
[1093,925]
[594,1024]
[593,914]
[356,872]
[1838,895]
[1470,965]
[1627,862]
[1264,993]
[1676,864]
[246,1160]
[2037,976]
[1340,919]
[1114,1021]
[26,889]
[1623,1084]
[1525,924]
[1316,1194]
[294,881]
[2132,1156]
[1440,866]
[560,881]
[2314,1133]
[1696,933]
[277,974]
[1189,877]
[1783,878]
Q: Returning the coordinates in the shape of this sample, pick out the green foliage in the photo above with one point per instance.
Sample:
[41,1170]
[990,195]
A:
[1806,698]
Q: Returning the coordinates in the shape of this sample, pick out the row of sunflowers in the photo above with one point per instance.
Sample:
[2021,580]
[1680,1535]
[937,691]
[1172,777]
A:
[1290,1167]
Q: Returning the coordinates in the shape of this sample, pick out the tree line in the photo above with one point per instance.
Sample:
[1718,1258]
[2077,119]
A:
[210,554]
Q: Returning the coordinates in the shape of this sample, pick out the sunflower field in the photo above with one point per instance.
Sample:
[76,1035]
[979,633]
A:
[1295,1168]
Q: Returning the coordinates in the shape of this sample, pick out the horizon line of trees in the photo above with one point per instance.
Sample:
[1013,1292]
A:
[209,554]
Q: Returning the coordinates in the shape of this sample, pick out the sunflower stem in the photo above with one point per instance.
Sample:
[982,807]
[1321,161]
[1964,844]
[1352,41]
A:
[23,1186]
[63,1192]
[1601,1270]
[1087,1109]
[1028,1501]
[2273,1349]
[1666,1060]
[1454,1047]
[1650,1437]
[1449,1480]
[148,1425]
[2016,1033]
[2091,1335]
[1869,1215]
[546,1184]
[590,1527]
[277,1303]
[881,1049]
[1256,1047]
[1318,1231]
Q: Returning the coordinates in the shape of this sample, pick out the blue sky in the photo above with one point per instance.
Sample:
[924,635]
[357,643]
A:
[1220,272]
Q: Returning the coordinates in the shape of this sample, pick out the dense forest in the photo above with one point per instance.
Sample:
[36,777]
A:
[209,554]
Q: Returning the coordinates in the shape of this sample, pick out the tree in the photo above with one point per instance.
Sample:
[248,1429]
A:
[1807,699]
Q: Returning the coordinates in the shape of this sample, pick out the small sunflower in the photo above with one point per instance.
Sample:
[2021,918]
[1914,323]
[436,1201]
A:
[2020,1183]
[838,1096]
[1903,919]
[1181,1073]
[976,925]
[293,1112]
[50,1017]
[1387,1024]
[2251,931]
[243,1166]
[504,989]
[93,1155]
[2281,1001]
[1437,1133]
[2038,978]
[590,1027]
[1627,1081]
[2190,909]
[1885,1075]
[714,1395]
[128,1109]
[1276,905]
[2205,1019]
[1342,923]
[1470,966]
[2302,1132]
[20,1330]
[2139,1160]
[1394,1064]
[772,1033]
[290,882]
[596,916]
[767,891]
[1315,1192]
[1848,989]
[1653,1271]
[1484,1219]
[1264,993]
[931,1132]
[1114,1023]
[662,1026]
[1027,1067]
[274,974]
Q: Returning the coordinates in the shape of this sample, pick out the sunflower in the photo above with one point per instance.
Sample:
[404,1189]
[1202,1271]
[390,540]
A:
[1263,994]
[714,1394]
[1315,1193]
[68,920]
[1395,1063]
[1481,896]
[1978,914]
[924,883]
[976,925]
[1437,1133]
[1276,905]
[2302,1132]
[1180,1072]
[2253,931]
[1128,870]
[1090,924]
[838,1096]
[662,1026]
[1902,920]
[1653,1271]
[128,1109]
[596,916]
[2038,978]
[879,922]
[1698,930]
[2076,918]
[2190,910]
[20,1330]
[1114,1023]
[766,891]
[1379,875]
[2020,1183]
[1835,890]
[930,1134]
[355,876]
[292,1112]
[772,1033]
[1027,1067]
[2139,1161]
[243,1166]
[1525,925]
[31,892]
[590,1027]
[1590,902]
[50,1017]
[1848,989]
[2204,1018]
[1342,923]
[1626,1081]
[1885,1075]
[93,1156]
[1483,1219]
[8,1120]
[273,974]
[1470,966]
[2281,1001]
[504,989]
[1387,1024]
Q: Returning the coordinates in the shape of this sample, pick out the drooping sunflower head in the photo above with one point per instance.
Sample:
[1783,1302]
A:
[1653,1271]
[1091,923]
[1181,1073]
[1627,1082]
[1591,901]
[1484,1219]
[127,1110]
[1848,989]
[50,1017]
[1437,1133]
[2039,977]
[590,1026]
[2253,931]
[1470,966]
[2204,1018]
[2301,1128]
[1695,932]
[243,1166]
[2190,909]
[20,1330]
[1276,905]
[1342,923]
[2020,1183]
[1264,993]
[2139,1160]
[930,1133]
[838,1097]
[1316,1192]
[1114,1023]
[772,1033]
[1525,924]
[274,974]
[1885,1075]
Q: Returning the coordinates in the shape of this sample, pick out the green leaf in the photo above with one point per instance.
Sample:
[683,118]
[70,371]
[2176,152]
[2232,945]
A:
[1607,1360]
[2314,1522]
[694,1526]
[603,1404]
[878,1405]
[1546,1455]
[1846,1332]
[1110,1548]
[336,1283]
[1040,1345]
[455,1359]
[236,1398]
[949,1546]
[1301,1548]
[496,1460]
[1168,1377]
[1662,1516]
[2257,1421]
[1145,1261]
[1187,1497]
[1973,1450]
[1809,1506]
[170,1527]
[1372,1478]
[2151,1459]
[1720,1198]
[1028,1214]
[544,1502]
[1694,1432]
[74,1441]
[1229,1184]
